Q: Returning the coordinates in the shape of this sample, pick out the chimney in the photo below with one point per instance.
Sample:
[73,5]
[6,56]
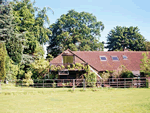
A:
[125,49]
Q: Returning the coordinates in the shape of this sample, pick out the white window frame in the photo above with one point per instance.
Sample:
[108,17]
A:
[115,56]
[103,56]
[125,56]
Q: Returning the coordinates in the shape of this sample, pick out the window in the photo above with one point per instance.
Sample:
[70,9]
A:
[103,58]
[115,58]
[67,59]
[125,57]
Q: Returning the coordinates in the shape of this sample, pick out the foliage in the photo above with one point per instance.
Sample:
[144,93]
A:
[40,68]
[145,65]
[105,75]
[147,46]
[12,69]
[121,37]
[31,22]
[3,55]
[49,57]
[91,77]
[41,31]
[76,31]
[8,33]
[28,81]
[126,74]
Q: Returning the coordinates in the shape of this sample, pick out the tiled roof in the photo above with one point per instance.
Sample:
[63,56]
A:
[93,59]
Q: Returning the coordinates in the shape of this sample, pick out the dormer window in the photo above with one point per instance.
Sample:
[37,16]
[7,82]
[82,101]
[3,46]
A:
[67,59]
[115,58]
[103,58]
[125,57]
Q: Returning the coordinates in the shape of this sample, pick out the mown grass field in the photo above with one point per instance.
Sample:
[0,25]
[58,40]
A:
[49,100]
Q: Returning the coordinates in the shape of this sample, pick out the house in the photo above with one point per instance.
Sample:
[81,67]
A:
[99,61]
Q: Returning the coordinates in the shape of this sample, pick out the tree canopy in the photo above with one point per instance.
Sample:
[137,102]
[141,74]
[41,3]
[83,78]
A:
[76,31]
[129,37]
[8,33]
[145,65]
[147,46]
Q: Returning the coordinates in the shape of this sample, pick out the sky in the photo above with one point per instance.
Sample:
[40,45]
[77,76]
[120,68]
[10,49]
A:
[111,12]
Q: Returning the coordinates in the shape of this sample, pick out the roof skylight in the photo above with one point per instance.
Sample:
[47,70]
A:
[125,57]
[115,58]
[103,58]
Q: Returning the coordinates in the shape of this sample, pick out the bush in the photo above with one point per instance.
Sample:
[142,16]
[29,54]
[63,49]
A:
[105,76]
[28,81]
[126,74]
[91,79]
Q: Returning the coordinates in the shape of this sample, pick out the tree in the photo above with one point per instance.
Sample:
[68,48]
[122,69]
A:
[14,40]
[31,23]
[41,31]
[49,57]
[40,68]
[145,65]
[2,61]
[121,37]
[147,46]
[76,31]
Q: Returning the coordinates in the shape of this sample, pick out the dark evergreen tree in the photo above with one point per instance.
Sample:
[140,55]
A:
[129,37]
[8,33]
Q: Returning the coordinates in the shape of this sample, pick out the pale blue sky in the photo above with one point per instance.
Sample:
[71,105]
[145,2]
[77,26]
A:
[110,12]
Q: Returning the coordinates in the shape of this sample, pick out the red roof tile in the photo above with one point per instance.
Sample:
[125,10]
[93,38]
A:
[93,59]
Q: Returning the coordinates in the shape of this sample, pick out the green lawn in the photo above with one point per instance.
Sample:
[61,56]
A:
[49,100]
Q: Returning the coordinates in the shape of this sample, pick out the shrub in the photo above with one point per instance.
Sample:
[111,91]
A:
[68,66]
[105,76]
[28,81]
[62,66]
[91,79]
[127,74]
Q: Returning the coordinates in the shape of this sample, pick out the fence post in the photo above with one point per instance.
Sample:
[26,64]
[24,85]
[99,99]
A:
[124,83]
[43,83]
[117,82]
[73,84]
[63,84]
[0,87]
[84,85]
[109,82]
[132,82]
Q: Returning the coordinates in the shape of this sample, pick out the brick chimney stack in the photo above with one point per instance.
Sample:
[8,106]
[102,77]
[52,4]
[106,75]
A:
[125,49]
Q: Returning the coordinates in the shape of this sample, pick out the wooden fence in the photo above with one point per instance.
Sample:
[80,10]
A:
[111,82]
[123,82]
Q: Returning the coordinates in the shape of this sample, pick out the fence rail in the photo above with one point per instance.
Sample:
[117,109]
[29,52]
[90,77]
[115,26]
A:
[51,83]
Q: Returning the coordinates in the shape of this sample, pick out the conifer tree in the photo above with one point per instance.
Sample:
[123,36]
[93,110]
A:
[14,41]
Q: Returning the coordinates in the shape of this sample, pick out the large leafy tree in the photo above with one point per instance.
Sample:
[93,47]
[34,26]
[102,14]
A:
[76,31]
[129,37]
[31,23]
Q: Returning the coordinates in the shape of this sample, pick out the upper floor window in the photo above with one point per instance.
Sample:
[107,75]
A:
[115,58]
[103,58]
